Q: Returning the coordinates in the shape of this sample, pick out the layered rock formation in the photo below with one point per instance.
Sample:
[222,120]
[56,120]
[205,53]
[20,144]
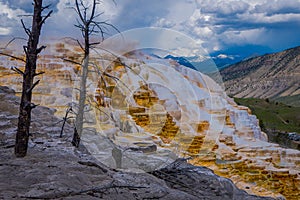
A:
[145,112]
[54,169]
[206,126]
[56,85]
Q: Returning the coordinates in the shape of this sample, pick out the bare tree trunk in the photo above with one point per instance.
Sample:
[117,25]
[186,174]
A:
[82,98]
[31,51]
[85,28]
[88,25]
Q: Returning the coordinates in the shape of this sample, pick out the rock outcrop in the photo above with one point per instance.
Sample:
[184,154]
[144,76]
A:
[54,169]
[204,125]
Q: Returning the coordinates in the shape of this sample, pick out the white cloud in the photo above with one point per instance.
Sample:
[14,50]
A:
[64,19]
[277,6]
[180,11]
[10,19]
[163,22]
[249,36]
[9,12]
[229,22]
[224,56]
[222,7]
[214,24]
[4,31]
[276,18]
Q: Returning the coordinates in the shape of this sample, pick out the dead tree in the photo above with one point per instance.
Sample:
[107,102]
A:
[88,25]
[31,52]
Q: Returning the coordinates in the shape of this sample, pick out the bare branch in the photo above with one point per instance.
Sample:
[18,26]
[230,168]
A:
[11,41]
[25,49]
[100,29]
[93,13]
[46,7]
[85,8]
[64,121]
[71,61]
[15,69]
[122,63]
[27,31]
[40,49]
[81,27]
[98,15]
[108,24]
[98,108]
[116,79]
[114,2]
[79,11]
[33,86]
[45,18]
[11,56]
[94,43]
[80,45]
[40,73]
[24,15]
[32,105]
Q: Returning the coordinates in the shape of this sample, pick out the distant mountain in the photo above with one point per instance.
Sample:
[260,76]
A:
[181,60]
[203,64]
[222,58]
[222,62]
[232,55]
[275,76]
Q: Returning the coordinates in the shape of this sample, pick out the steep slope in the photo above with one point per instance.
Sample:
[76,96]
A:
[269,76]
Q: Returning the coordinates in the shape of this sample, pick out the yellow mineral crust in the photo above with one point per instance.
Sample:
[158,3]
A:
[256,166]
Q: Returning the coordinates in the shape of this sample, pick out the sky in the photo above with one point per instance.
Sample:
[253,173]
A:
[225,28]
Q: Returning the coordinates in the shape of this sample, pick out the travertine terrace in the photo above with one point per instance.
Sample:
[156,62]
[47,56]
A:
[166,107]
